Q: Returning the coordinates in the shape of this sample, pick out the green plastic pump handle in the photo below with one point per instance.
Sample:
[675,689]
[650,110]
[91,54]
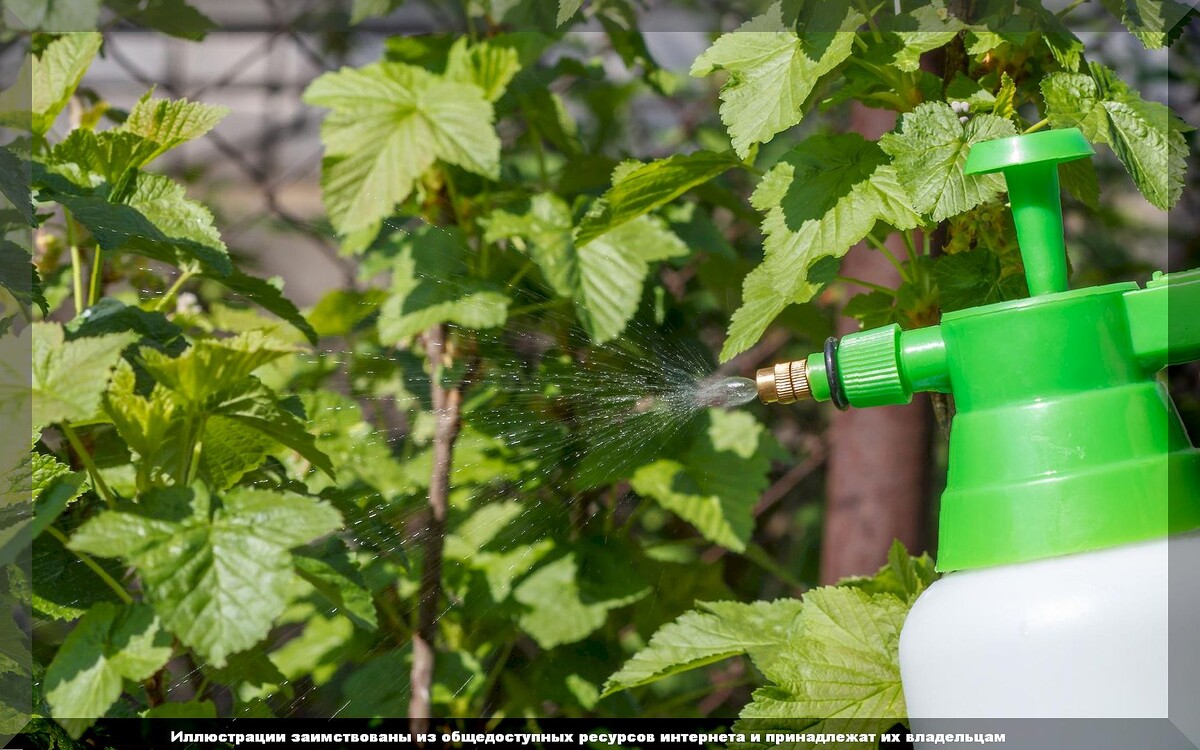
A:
[1030,167]
[1064,440]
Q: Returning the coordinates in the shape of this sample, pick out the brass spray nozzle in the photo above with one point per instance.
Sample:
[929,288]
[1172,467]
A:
[785,383]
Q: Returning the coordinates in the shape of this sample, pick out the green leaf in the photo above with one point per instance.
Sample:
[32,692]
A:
[364,9]
[604,277]
[252,405]
[211,366]
[567,9]
[218,581]
[1005,104]
[54,498]
[110,315]
[873,309]
[920,30]
[339,586]
[929,151]
[650,186]
[54,15]
[389,123]
[904,576]
[63,588]
[1156,23]
[823,196]
[717,483]
[973,278]
[488,66]
[70,377]
[19,276]
[1146,136]
[174,17]
[429,286]
[14,184]
[267,295]
[1078,177]
[170,122]
[772,71]
[155,220]
[56,75]
[341,310]
[109,645]
[566,602]
[88,158]
[711,633]
[843,666]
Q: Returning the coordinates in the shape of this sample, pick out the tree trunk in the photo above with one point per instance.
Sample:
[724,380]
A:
[876,481]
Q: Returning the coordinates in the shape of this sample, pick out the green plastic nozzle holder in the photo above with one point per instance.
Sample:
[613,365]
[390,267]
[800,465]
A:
[1064,438]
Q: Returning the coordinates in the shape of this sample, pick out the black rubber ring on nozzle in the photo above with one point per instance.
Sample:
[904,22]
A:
[836,394]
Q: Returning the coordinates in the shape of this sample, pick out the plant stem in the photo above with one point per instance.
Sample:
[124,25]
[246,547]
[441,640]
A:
[95,281]
[174,290]
[887,253]
[1037,126]
[446,403]
[525,309]
[76,260]
[910,247]
[520,274]
[89,464]
[867,284]
[100,572]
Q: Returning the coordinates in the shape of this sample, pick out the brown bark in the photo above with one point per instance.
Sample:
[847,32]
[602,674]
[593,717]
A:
[877,471]
[446,403]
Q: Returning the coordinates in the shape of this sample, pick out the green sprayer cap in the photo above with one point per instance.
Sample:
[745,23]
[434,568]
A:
[1064,438]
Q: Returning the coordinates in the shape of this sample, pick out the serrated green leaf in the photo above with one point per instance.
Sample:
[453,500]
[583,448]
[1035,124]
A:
[567,9]
[772,70]
[711,633]
[110,315]
[1146,136]
[230,449]
[872,309]
[1156,23]
[604,277]
[251,404]
[364,9]
[53,499]
[843,666]
[218,581]
[823,196]
[19,276]
[69,377]
[213,365]
[63,588]
[928,153]
[717,483]
[54,15]
[170,122]
[156,220]
[565,603]
[645,187]
[265,294]
[88,158]
[340,310]
[429,287]
[389,122]
[1005,104]
[486,65]
[109,645]
[14,184]
[904,576]
[174,17]
[1078,177]
[339,587]
[973,278]
[924,28]
[56,75]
